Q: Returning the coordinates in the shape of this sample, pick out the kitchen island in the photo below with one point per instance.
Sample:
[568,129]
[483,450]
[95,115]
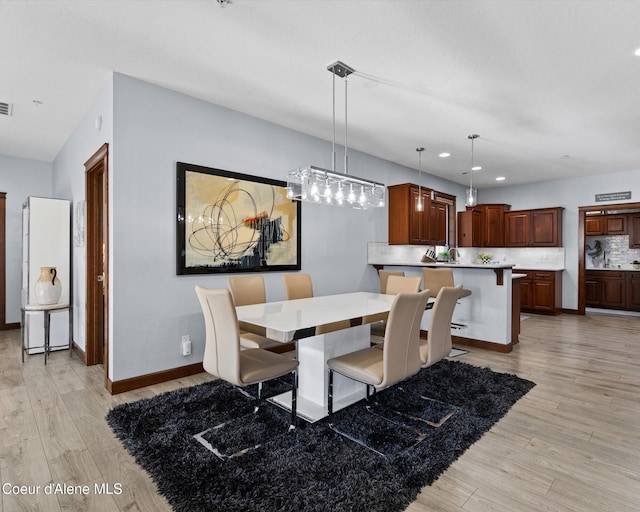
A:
[487,314]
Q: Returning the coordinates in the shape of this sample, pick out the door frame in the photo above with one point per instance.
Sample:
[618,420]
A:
[97,258]
[582,273]
[3,262]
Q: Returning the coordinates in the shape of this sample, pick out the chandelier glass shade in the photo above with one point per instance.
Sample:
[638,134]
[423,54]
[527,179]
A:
[471,194]
[317,185]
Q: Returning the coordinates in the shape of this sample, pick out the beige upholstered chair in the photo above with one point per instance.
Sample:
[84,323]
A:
[379,369]
[401,284]
[436,278]
[248,290]
[394,284]
[299,286]
[222,355]
[438,343]
[384,275]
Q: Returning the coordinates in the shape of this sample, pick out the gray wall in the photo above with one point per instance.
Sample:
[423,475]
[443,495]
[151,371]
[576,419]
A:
[69,183]
[19,178]
[153,129]
[570,194]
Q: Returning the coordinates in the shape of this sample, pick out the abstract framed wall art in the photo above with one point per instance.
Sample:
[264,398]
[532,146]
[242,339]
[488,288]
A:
[231,222]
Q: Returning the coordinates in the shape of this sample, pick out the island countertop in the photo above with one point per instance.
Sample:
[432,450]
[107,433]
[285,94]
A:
[452,265]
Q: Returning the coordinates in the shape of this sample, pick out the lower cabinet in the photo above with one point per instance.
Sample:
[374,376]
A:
[633,291]
[611,289]
[541,291]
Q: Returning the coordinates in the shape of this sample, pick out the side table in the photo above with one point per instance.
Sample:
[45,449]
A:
[47,309]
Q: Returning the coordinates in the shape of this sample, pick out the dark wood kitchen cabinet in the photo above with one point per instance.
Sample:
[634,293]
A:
[612,289]
[408,224]
[540,227]
[596,225]
[633,291]
[605,289]
[541,291]
[482,226]
[633,225]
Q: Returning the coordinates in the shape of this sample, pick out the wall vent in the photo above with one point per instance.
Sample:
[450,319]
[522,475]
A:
[5,109]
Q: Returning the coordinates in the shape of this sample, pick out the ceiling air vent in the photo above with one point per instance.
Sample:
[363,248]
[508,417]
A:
[5,109]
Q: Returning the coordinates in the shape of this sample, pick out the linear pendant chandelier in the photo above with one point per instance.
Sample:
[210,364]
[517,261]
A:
[317,185]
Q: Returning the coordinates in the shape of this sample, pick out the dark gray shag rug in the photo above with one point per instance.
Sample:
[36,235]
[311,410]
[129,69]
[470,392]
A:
[313,468]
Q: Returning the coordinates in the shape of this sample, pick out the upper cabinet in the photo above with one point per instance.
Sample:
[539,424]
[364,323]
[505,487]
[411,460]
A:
[409,224]
[482,226]
[605,225]
[534,228]
[634,230]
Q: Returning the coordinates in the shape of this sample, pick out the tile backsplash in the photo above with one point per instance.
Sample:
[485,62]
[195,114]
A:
[609,251]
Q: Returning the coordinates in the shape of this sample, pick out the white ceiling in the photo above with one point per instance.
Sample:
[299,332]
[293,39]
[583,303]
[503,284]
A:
[538,80]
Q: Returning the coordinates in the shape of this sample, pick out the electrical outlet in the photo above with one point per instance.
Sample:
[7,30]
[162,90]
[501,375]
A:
[186,345]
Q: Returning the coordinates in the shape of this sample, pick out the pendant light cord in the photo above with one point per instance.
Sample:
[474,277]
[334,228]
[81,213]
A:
[346,171]
[471,171]
[333,155]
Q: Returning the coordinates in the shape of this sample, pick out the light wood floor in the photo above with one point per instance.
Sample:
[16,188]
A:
[572,444]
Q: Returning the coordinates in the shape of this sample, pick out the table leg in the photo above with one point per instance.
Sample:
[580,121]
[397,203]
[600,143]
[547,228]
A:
[70,331]
[47,323]
[23,332]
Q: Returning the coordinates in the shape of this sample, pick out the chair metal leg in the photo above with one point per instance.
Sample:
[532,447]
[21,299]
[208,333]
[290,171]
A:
[330,397]
[371,392]
[258,401]
[294,400]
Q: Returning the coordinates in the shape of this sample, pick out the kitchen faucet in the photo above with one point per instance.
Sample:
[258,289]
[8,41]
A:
[454,254]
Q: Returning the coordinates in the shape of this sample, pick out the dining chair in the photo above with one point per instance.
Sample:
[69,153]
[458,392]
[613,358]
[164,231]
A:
[299,286]
[247,290]
[394,284]
[384,275]
[436,278]
[400,359]
[437,346]
[223,357]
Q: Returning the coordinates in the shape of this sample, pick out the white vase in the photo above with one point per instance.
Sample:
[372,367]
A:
[48,288]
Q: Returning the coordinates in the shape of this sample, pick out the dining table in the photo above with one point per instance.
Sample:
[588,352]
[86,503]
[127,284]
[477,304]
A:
[296,321]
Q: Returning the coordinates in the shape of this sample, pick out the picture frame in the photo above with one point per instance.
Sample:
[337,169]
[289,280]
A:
[229,222]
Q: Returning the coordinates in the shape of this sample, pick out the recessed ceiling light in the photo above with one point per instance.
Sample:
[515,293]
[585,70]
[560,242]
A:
[500,178]
[637,52]
[476,168]
[444,155]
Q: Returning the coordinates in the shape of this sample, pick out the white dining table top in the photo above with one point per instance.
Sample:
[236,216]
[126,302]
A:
[289,316]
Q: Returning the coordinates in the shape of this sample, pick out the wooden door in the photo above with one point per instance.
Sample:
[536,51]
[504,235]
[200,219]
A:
[615,224]
[634,231]
[613,292]
[97,244]
[593,291]
[438,223]
[594,225]
[492,226]
[544,228]
[543,295]
[526,293]
[633,291]
[419,228]
[517,228]
[469,228]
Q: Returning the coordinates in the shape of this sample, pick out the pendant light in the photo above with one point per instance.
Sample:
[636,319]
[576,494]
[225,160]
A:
[471,197]
[317,185]
[419,202]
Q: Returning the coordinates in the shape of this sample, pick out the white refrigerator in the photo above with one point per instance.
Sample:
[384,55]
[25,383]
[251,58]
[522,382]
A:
[46,242]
